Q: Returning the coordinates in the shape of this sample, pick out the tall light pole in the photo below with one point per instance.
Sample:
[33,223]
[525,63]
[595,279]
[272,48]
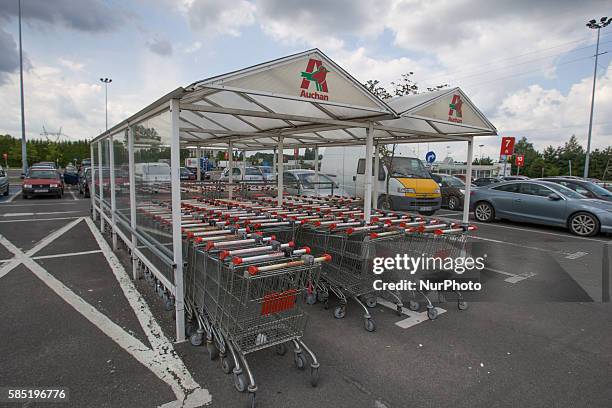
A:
[24,149]
[106,81]
[593,24]
[480,146]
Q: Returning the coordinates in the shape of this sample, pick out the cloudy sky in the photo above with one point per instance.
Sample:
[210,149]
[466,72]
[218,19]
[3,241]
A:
[527,65]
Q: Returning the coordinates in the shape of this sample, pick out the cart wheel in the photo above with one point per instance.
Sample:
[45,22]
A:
[227,365]
[371,301]
[253,400]
[462,305]
[189,329]
[240,382]
[281,349]
[432,313]
[213,351]
[195,339]
[311,298]
[414,305]
[314,376]
[326,304]
[168,304]
[398,310]
[369,325]
[339,312]
[299,360]
[322,296]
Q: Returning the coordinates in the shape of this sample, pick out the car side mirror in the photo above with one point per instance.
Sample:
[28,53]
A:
[554,197]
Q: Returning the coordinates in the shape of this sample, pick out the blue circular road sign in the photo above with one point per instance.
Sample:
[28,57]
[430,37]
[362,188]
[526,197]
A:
[430,157]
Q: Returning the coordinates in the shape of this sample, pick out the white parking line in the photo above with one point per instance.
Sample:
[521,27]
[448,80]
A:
[40,219]
[72,194]
[497,241]
[11,198]
[413,318]
[28,214]
[96,251]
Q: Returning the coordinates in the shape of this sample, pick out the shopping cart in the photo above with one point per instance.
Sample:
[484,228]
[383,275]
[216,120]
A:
[246,294]
[433,242]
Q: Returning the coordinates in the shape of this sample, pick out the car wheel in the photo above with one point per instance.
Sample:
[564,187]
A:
[6,192]
[384,205]
[484,212]
[453,203]
[583,224]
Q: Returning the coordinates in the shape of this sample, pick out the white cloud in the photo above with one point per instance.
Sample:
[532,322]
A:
[218,17]
[72,65]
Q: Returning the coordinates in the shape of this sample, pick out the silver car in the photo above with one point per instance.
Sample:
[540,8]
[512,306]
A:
[4,182]
[542,202]
[305,182]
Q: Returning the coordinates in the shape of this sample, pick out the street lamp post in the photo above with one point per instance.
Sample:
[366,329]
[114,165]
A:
[480,146]
[593,24]
[24,149]
[106,81]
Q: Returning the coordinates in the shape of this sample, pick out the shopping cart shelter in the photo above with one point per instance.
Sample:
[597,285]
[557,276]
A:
[302,100]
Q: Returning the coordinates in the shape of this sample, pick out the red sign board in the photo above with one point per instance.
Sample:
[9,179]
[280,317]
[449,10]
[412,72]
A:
[296,153]
[5,156]
[226,156]
[519,161]
[507,146]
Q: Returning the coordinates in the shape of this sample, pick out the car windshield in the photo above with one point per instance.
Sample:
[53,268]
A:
[568,192]
[409,167]
[43,174]
[454,181]
[599,190]
[309,180]
[252,171]
[158,170]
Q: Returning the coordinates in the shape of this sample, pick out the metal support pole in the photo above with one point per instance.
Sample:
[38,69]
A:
[281,161]
[376,174]
[367,195]
[100,181]
[468,182]
[92,186]
[132,176]
[111,163]
[274,164]
[244,165]
[230,169]
[24,150]
[177,243]
[316,169]
[198,169]
[588,151]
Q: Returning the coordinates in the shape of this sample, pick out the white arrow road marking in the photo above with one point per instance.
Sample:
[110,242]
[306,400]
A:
[413,318]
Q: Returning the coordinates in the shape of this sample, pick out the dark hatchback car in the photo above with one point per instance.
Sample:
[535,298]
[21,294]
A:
[485,181]
[452,189]
[587,188]
[42,182]
[187,174]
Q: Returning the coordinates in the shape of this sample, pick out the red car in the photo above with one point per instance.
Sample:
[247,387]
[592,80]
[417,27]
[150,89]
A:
[42,182]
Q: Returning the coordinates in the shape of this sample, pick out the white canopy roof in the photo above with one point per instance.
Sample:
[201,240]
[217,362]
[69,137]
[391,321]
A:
[309,100]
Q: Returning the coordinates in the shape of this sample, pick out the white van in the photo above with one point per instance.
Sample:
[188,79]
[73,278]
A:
[411,187]
[153,175]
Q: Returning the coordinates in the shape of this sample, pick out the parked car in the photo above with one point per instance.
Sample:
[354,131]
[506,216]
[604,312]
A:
[252,173]
[452,189]
[485,181]
[4,182]
[513,178]
[42,182]
[71,175]
[542,202]
[266,171]
[586,188]
[84,181]
[305,182]
[187,174]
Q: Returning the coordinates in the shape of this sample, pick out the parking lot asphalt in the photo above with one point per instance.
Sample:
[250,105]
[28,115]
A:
[538,335]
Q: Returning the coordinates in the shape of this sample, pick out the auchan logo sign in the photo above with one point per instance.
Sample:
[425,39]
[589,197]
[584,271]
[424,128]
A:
[315,74]
[454,112]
